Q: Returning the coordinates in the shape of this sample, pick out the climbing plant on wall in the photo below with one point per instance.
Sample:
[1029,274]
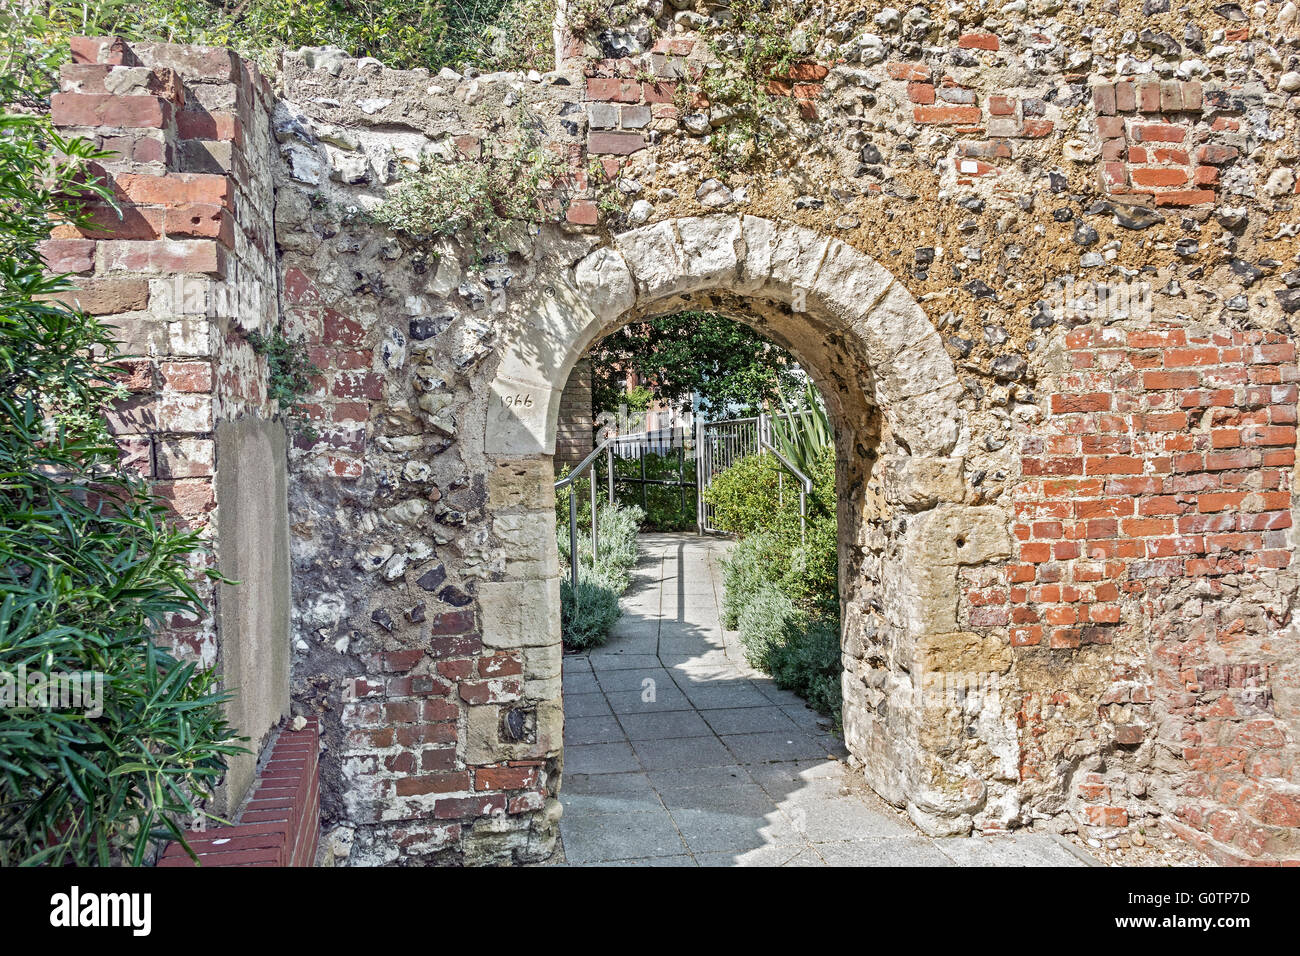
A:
[475,202]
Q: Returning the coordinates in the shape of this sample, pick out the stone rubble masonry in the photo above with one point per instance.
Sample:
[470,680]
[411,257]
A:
[1092,511]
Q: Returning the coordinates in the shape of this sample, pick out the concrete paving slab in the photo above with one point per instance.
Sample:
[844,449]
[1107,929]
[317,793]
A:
[602,837]
[600,758]
[665,726]
[593,730]
[710,763]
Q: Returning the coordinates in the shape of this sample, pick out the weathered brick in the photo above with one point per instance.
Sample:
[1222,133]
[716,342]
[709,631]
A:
[105,110]
[978,41]
[615,143]
[162,256]
[948,115]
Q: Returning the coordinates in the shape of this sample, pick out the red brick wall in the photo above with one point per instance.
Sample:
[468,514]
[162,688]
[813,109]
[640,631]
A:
[280,824]
[1155,496]
[174,272]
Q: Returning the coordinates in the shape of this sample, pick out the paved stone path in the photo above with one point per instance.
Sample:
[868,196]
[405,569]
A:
[679,754]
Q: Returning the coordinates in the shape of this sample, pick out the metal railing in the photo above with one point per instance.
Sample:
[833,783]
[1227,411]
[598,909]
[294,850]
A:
[805,483]
[663,443]
[607,449]
[721,444]
[718,446]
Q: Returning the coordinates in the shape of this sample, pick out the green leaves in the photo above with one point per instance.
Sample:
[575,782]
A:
[290,371]
[752,48]
[91,572]
[725,364]
[588,614]
[405,34]
[803,434]
[476,202]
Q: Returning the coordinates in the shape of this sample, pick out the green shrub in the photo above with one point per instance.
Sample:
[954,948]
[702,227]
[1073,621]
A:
[587,617]
[800,649]
[617,528]
[744,571]
[766,622]
[404,34]
[781,587]
[809,664]
[90,569]
[746,497]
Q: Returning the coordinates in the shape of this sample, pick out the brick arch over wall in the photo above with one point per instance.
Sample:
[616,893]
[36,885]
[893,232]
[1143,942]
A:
[893,392]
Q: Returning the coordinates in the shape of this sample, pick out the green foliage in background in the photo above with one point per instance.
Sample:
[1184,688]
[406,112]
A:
[746,501]
[90,568]
[404,34]
[726,364]
[665,506]
[803,433]
[781,591]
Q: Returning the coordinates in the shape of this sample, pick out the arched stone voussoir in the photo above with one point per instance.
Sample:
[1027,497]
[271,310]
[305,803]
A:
[781,259]
[683,255]
[541,348]
[929,425]
[605,283]
[903,348]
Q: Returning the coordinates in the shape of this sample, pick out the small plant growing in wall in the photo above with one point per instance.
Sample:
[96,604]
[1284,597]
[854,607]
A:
[290,371]
[752,50]
[473,201]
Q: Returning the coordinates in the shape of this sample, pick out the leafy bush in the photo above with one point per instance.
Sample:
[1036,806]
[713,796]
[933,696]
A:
[746,497]
[766,622]
[745,572]
[90,570]
[800,649]
[476,202]
[809,664]
[404,34]
[617,528]
[587,617]
[781,588]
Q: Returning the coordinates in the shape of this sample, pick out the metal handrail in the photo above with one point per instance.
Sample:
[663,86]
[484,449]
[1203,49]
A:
[607,446]
[805,483]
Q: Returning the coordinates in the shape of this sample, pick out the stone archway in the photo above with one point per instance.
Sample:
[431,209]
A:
[904,531]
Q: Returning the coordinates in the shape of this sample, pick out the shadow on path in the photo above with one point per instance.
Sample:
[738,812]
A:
[679,754]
